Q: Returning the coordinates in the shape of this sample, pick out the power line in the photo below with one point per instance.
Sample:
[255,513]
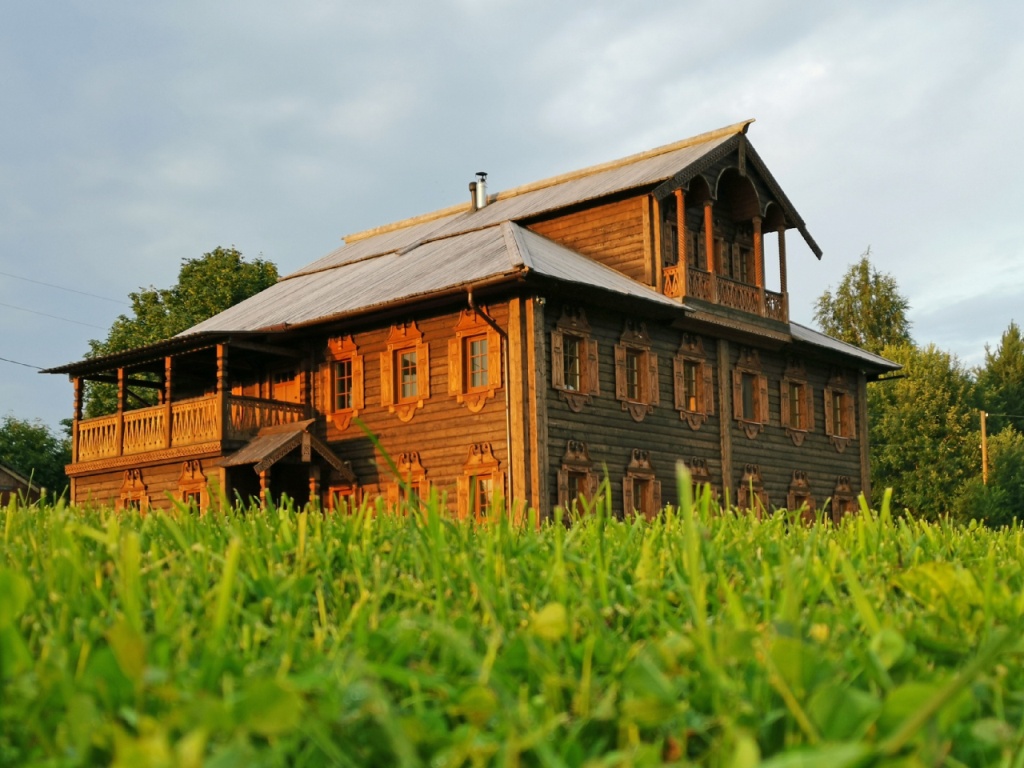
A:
[55,317]
[27,365]
[62,288]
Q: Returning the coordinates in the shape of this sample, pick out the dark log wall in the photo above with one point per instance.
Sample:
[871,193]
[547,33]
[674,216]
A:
[441,431]
[612,233]
[610,433]
[774,451]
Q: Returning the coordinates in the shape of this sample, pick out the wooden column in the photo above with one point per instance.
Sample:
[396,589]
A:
[77,382]
[520,450]
[783,282]
[168,366]
[264,487]
[709,237]
[758,252]
[681,244]
[314,486]
[120,411]
[222,386]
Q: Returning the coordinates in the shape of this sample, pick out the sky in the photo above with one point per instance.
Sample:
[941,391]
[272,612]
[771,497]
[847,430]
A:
[136,135]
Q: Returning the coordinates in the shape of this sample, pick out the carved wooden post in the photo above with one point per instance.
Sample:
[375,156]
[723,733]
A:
[120,411]
[783,281]
[759,262]
[77,418]
[682,258]
[222,385]
[314,486]
[264,487]
[709,248]
[168,432]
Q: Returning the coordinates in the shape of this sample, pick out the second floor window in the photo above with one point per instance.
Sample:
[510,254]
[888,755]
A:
[840,417]
[474,360]
[636,371]
[750,393]
[343,385]
[572,363]
[408,374]
[405,371]
[574,368]
[476,355]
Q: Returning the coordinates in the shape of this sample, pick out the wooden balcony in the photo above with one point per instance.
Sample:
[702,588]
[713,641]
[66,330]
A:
[680,282]
[183,423]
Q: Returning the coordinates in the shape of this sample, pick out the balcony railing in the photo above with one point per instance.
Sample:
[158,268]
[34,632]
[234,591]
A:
[718,289]
[192,422]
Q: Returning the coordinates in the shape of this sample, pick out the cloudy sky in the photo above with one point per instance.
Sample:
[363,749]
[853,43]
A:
[135,135]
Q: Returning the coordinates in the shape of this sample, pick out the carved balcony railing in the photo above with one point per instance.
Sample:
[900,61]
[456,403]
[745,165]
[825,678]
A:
[718,289]
[195,421]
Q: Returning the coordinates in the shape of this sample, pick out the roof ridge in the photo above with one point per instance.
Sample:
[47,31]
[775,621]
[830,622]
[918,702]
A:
[700,138]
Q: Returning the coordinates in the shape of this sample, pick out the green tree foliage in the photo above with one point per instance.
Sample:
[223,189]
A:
[923,431]
[867,309]
[206,286]
[1002,500]
[1001,381]
[34,451]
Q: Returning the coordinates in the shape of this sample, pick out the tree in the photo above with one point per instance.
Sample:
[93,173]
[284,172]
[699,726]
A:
[1002,500]
[867,309]
[33,450]
[206,286]
[1001,380]
[924,442]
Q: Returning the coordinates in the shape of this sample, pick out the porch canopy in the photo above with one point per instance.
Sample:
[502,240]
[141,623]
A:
[272,444]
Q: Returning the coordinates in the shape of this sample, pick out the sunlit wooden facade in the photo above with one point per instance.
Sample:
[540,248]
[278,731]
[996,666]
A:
[609,322]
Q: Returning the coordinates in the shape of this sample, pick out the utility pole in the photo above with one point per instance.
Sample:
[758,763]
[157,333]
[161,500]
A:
[984,451]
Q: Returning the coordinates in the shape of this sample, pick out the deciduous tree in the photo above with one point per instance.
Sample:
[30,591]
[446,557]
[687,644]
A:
[867,308]
[206,286]
[32,449]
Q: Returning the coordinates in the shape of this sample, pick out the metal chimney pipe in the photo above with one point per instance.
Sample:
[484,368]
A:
[480,191]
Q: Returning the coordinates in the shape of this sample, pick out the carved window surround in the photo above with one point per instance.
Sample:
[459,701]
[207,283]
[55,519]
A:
[343,381]
[751,495]
[577,479]
[411,485]
[700,476]
[474,361]
[843,501]
[192,485]
[693,382]
[636,371]
[750,393]
[405,371]
[574,359]
[840,412]
[796,402]
[345,496]
[800,495]
[482,482]
[133,492]
[641,492]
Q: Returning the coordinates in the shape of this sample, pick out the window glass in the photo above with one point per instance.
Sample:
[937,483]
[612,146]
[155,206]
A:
[572,350]
[407,374]
[343,385]
[633,361]
[749,388]
[477,362]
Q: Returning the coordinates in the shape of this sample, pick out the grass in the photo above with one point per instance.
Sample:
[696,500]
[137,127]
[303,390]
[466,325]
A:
[287,637]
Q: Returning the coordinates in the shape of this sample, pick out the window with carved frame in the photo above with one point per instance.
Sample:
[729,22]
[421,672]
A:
[578,483]
[636,371]
[843,501]
[343,381]
[474,361]
[700,476]
[411,486]
[693,382]
[840,412]
[482,484]
[796,402]
[800,497]
[192,485]
[343,497]
[750,495]
[641,492]
[574,359]
[134,495]
[750,393]
[405,371]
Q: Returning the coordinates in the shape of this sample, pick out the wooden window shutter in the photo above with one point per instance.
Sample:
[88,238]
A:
[849,416]
[762,407]
[563,489]
[737,394]
[628,502]
[679,383]
[393,495]
[593,486]
[656,492]
[455,381]
[462,485]
[784,402]
[423,370]
[709,388]
[593,384]
[828,411]
[557,361]
[493,359]
[387,379]
[357,383]
[654,391]
[809,405]
[621,389]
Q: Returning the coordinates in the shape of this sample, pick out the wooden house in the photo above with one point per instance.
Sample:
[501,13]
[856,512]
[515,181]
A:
[608,322]
[14,485]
